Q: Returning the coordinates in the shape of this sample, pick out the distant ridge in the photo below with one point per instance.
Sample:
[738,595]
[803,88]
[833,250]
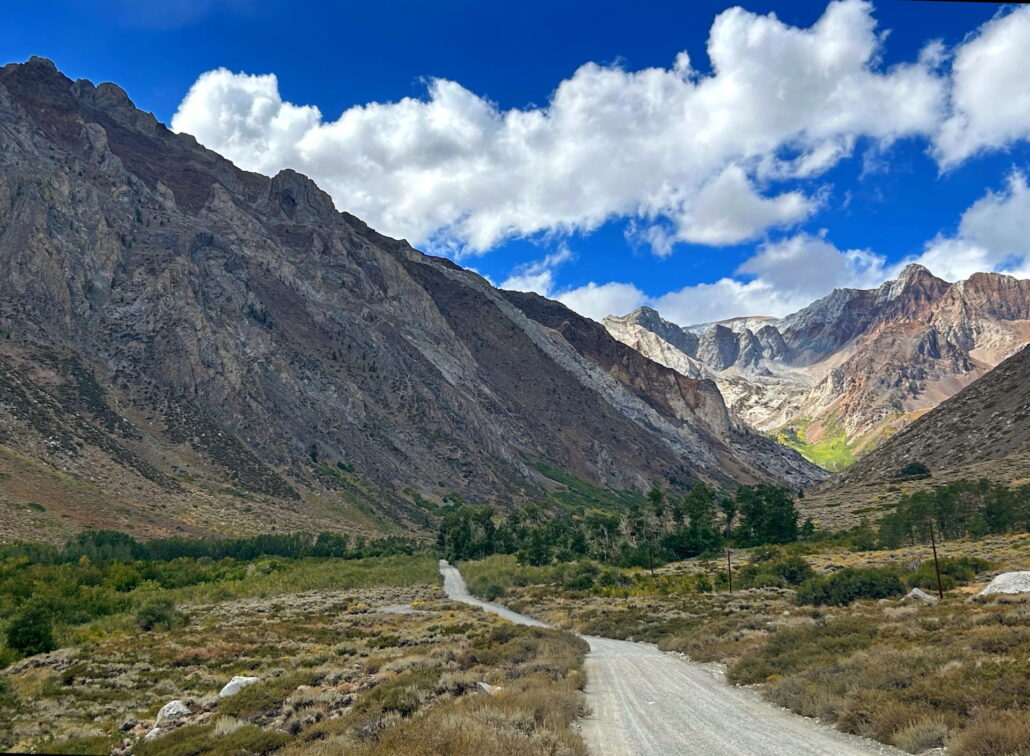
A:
[839,376]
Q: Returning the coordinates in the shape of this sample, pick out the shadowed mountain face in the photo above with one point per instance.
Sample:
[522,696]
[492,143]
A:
[206,349]
[841,375]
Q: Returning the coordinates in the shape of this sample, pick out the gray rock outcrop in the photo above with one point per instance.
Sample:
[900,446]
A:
[236,684]
[1008,582]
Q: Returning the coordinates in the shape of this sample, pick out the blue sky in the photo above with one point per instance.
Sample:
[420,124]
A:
[778,158]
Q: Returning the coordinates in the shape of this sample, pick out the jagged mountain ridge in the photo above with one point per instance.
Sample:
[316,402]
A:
[222,351]
[854,367]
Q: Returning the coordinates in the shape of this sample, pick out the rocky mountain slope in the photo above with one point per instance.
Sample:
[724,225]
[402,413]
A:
[188,347]
[838,377]
[981,432]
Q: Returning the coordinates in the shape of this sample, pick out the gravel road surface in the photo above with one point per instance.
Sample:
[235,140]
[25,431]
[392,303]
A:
[645,701]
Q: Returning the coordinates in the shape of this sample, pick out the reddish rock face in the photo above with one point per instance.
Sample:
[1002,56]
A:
[174,317]
[987,420]
[865,362]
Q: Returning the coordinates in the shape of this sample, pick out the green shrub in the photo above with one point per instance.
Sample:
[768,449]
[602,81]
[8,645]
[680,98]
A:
[384,641]
[31,630]
[913,468]
[786,571]
[850,584]
[580,576]
[492,592]
[403,694]
[954,571]
[263,696]
[159,612]
[610,577]
[7,694]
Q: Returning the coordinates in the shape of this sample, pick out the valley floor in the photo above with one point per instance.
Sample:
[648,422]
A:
[914,675]
[374,660]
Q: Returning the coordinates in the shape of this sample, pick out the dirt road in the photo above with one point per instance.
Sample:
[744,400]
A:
[644,701]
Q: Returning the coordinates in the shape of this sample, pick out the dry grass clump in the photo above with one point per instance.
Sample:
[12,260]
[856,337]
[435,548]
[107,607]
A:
[433,706]
[531,716]
[923,734]
[993,733]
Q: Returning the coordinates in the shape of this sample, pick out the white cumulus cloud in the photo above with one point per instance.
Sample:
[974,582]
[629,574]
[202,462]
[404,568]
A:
[597,300]
[695,155]
[990,98]
[786,276]
[782,277]
[993,235]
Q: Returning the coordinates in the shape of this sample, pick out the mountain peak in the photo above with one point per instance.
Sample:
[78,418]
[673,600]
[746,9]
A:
[915,271]
[643,312]
[39,61]
[913,281]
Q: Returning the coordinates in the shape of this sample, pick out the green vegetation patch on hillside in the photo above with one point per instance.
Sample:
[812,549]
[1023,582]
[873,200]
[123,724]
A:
[577,495]
[832,452]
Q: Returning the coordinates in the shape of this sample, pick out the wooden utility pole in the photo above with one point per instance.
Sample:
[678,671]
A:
[729,571]
[936,564]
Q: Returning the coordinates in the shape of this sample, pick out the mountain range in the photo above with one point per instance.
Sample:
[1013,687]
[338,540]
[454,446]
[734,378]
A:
[838,377]
[189,348]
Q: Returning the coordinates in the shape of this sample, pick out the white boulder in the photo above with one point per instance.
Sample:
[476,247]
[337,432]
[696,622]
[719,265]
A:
[236,684]
[172,711]
[918,594]
[152,734]
[1008,582]
[487,689]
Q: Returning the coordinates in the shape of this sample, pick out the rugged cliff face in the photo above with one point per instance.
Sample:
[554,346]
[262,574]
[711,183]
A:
[841,375]
[206,349]
[983,431]
[988,420]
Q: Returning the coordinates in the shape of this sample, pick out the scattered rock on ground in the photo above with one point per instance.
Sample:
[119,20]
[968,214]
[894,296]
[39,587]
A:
[488,690]
[172,711]
[236,684]
[918,594]
[1009,582]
